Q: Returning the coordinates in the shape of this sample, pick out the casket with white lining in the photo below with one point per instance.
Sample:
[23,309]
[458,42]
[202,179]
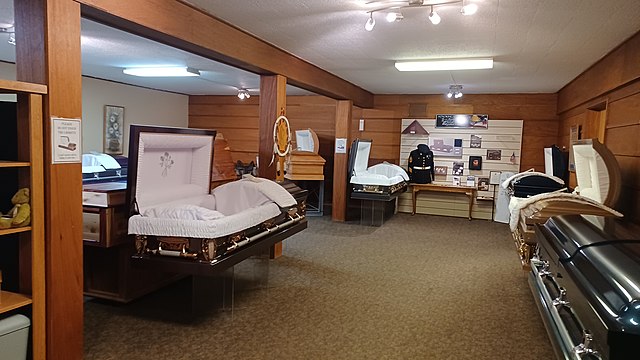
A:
[175,213]
[378,182]
[599,183]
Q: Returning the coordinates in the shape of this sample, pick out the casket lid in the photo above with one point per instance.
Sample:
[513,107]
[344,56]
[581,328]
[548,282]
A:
[359,156]
[597,172]
[168,165]
[603,260]
[568,234]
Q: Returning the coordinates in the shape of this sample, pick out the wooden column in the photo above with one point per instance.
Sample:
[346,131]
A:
[341,161]
[273,101]
[48,52]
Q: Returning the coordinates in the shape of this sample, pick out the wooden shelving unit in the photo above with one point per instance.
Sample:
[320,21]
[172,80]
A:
[30,174]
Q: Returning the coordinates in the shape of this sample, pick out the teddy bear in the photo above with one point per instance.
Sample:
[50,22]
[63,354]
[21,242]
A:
[20,214]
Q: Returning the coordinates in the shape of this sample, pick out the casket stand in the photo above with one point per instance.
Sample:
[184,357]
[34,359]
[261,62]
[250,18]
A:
[180,224]
[599,182]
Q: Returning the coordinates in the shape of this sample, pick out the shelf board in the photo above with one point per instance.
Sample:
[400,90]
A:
[9,86]
[14,230]
[11,164]
[10,301]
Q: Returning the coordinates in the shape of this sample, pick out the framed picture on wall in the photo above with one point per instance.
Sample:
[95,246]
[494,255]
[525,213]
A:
[475,162]
[113,129]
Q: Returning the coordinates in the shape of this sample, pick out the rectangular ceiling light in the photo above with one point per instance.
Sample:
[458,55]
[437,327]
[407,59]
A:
[440,65]
[161,71]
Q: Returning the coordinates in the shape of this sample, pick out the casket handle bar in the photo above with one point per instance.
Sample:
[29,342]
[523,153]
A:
[561,299]
[181,253]
[544,268]
[584,349]
[246,240]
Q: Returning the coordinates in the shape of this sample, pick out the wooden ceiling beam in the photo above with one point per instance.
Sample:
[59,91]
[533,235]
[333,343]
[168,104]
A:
[185,27]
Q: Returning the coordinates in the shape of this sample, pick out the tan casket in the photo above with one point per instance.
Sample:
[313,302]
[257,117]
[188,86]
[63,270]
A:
[599,182]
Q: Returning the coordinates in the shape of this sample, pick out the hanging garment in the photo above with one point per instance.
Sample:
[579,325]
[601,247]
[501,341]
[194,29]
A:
[421,169]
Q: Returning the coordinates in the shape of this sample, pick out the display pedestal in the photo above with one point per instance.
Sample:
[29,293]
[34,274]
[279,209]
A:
[315,195]
[376,212]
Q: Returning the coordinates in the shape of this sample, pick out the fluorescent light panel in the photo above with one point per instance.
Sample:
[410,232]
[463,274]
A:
[162,71]
[440,65]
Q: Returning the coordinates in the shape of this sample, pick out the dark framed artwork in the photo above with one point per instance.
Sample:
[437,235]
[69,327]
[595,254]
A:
[113,129]
[475,162]
[494,154]
[483,183]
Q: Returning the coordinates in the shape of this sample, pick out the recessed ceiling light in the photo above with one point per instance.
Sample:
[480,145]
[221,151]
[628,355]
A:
[439,65]
[161,71]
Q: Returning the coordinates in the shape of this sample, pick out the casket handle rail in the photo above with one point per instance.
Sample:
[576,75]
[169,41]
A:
[276,227]
[584,349]
[182,252]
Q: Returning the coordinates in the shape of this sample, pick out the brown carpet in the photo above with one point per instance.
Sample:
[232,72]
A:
[419,287]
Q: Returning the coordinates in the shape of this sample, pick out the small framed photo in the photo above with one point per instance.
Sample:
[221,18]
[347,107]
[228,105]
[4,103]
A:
[440,170]
[113,129]
[483,183]
[475,162]
[494,177]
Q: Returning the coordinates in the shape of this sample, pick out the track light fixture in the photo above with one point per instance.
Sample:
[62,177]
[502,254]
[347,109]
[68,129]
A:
[395,6]
[455,91]
[243,94]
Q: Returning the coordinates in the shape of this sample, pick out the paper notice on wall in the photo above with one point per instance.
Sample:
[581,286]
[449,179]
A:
[341,145]
[66,141]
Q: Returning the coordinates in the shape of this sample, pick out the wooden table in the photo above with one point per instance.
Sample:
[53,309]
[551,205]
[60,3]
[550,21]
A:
[470,191]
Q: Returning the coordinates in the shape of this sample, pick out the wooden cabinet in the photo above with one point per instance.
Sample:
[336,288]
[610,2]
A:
[25,169]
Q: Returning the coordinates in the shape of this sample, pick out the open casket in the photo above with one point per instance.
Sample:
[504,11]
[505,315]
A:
[597,192]
[379,182]
[174,213]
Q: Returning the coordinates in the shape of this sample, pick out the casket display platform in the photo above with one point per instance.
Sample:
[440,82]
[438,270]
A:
[382,182]
[180,223]
[598,188]
[586,283]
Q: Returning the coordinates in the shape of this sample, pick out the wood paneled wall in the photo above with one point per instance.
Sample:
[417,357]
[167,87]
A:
[613,84]
[383,123]
[238,122]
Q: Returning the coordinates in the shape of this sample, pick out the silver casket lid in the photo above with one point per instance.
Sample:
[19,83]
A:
[168,164]
[602,256]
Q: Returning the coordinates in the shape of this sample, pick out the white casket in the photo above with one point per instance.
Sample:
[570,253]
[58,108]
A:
[598,188]
[174,212]
[379,182]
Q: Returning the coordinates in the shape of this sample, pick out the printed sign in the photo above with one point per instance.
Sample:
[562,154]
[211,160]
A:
[65,141]
[464,121]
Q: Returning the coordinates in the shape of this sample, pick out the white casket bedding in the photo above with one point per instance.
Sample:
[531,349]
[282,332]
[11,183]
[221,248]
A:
[229,209]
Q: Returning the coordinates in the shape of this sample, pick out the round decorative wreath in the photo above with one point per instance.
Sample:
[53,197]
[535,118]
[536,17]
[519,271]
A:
[281,136]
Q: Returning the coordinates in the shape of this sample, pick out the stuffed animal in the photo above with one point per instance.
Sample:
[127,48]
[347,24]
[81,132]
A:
[20,214]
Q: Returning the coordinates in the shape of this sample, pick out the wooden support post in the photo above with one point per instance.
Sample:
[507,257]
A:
[273,101]
[341,161]
[48,52]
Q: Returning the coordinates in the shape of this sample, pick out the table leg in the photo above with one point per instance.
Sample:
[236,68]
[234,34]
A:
[470,203]
[413,198]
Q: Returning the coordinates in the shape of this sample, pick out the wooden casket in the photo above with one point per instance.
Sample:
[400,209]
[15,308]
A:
[304,163]
[598,178]
[379,182]
[178,221]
